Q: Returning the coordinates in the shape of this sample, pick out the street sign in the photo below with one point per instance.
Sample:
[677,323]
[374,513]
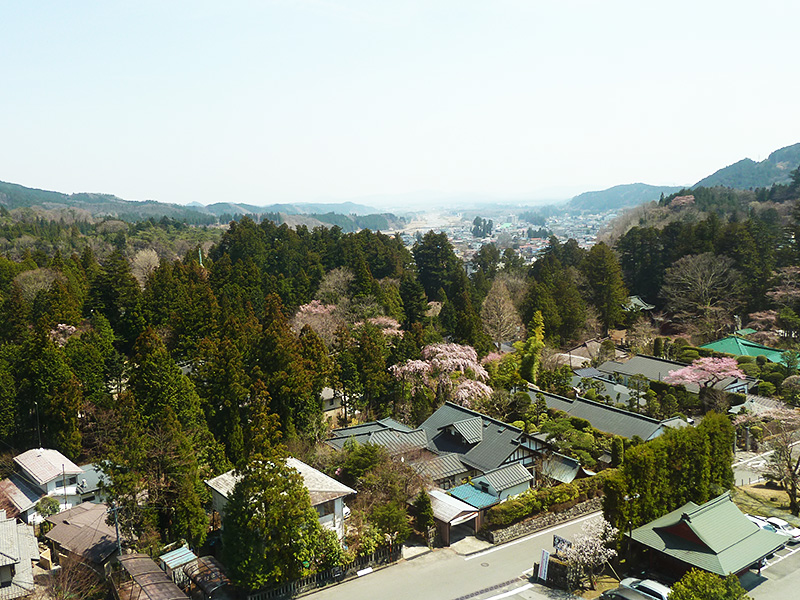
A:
[560,544]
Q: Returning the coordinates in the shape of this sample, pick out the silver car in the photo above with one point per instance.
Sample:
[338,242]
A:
[648,587]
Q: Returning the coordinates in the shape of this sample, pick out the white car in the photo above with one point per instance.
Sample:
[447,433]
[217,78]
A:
[761,522]
[783,528]
[648,587]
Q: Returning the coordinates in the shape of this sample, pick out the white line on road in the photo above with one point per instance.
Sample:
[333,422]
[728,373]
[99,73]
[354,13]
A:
[533,535]
[757,456]
[780,558]
[527,586]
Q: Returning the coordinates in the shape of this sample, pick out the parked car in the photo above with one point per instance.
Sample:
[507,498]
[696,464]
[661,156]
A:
[761,522]
[784,528]
[623,593]
[648,587]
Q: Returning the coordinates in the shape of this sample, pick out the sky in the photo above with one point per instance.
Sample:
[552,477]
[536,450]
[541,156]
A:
[382,101]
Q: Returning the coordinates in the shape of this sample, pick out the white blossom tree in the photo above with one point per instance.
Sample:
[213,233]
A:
[591,549]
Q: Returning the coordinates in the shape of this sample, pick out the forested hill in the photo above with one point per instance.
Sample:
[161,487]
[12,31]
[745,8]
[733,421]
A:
[87,207]
[619,196]
[14,196]
[748,174]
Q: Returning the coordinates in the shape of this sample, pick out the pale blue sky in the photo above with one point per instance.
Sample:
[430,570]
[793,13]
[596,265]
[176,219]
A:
[310,100]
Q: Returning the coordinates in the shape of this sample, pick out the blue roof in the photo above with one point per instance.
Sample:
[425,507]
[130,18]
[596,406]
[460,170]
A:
[473,496]
[177,558]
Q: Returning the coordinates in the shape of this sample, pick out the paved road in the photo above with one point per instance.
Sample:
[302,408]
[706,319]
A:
[779,580]
[444,575]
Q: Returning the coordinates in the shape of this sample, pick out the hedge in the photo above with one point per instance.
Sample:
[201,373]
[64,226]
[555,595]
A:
[553,499]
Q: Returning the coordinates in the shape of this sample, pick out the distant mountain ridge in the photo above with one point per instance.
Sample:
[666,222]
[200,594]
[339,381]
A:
[747,174]
[347,215]
[619,196]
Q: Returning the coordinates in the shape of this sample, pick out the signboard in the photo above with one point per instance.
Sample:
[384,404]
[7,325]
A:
[560,544]
[544,565]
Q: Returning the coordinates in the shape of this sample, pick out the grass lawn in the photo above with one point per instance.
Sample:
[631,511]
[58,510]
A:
[758,499]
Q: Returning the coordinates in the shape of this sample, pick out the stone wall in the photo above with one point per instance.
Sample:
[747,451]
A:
[541,521]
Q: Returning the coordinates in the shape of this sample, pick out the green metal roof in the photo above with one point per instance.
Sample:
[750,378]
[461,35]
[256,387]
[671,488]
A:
[742,347]
[473,496]
[715,537]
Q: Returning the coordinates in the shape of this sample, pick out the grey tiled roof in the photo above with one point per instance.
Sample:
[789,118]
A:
[399,441]
[363,432]
[499,440]
[506,477]
[18,547]
[560,468]
[471,429]
[442,467]
[606,418]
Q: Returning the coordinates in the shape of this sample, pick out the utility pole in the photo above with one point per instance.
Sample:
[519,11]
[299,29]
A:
[115,509]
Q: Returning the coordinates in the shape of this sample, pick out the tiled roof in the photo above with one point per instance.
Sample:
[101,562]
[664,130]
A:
[715,537]
[83,531]
[18,547]
[506,477]
[606,418]
[364,432]
[471,429]
[499,440]
[321,488]
[44,464]
[473,496]
[560,468]
[757,404]
[399,441]
[441,467]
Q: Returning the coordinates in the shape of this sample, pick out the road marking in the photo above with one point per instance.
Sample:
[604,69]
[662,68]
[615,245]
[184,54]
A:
[780,558]
[763,454]
[514,592]
[533,535]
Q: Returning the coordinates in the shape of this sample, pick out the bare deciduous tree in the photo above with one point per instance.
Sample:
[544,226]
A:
[701,286]
[143,264]
[32,282]
[74,579]
[500,319]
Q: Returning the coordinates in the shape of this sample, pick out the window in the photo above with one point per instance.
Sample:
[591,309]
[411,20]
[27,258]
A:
[326,508]
[59,483]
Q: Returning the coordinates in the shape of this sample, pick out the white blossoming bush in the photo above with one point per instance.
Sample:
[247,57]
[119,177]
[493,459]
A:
[591,550]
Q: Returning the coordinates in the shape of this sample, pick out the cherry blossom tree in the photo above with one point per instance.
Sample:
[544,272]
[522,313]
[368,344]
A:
[591,549]
[324,319]
[706,372]
[450,371]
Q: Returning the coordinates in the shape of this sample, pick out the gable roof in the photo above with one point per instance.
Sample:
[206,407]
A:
[18,547]
[450,510]
[506,477]
[498,440]
[558,467]
[756,404]
[44,464]
[440,467]
[715,536]
[739,346]
[83,531]
[321,488]
[364,432]
[606,418]
[471,429]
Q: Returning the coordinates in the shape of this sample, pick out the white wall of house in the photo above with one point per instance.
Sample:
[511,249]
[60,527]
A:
[331,516]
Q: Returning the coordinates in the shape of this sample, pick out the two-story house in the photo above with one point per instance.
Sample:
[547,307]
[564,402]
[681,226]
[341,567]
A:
[40,472]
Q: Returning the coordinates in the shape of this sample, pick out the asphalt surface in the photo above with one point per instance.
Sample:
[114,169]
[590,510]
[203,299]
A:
[498,572]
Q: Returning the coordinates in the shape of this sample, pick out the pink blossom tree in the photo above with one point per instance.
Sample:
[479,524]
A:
[706,372]
[449,371]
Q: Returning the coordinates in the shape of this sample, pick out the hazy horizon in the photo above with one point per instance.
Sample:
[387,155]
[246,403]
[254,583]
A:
[322,101]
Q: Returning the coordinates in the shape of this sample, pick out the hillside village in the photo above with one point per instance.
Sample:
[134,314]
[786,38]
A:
[284,409]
